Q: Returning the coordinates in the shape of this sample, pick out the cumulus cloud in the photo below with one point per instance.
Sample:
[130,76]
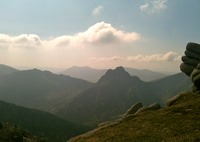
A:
[99,34]
[97,10]
[167,57]
[153,6]
[23,40]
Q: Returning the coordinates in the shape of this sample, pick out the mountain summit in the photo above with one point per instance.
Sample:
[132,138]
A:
[117,75]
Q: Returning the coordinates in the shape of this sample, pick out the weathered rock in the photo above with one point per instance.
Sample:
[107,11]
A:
[174,99]
[196,77]
[192,54]
[141,110]
[194,47]
[133,109]
[154,106]
[190,61]
[187,69]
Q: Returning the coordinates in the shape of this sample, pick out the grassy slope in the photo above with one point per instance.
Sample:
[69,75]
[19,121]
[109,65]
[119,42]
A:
[12,133]
[178,123]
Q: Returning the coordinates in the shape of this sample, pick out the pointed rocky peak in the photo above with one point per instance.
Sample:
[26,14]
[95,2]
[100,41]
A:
[117,74]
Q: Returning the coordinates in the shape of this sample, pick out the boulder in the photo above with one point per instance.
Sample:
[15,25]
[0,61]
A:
[194,47]
[186,68]
[192,54]
[141,110]
[196,77]
[154,106]
[190,61]
[133,109]
[174,99]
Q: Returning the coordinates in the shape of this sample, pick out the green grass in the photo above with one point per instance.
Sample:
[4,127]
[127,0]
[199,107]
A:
[178,123]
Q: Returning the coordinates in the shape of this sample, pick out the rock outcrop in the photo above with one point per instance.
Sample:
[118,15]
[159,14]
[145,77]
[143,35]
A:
[191,64]
[133,109]
[154,106]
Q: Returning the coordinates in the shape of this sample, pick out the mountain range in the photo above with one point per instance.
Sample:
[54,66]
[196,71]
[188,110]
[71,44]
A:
[84,102]
[40,89]
[116,91]
[93,75]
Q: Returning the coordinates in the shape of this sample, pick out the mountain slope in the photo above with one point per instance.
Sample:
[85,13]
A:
[13,133]
[176,123]
[5,70]
[39,122]
[114,93]
[40,89]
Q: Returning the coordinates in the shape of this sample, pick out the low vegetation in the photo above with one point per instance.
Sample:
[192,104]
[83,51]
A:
[177,123]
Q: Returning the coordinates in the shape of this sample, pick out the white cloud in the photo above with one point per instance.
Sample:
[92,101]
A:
[97,10]
[167,57]
[99,34]
[22,41]
[153,6]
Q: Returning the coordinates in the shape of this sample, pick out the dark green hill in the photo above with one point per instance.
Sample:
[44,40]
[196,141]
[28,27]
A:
[116,92]
[177,123]
[39,122]
[40,89]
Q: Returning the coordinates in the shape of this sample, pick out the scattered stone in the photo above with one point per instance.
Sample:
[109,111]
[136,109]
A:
[133,109]
[194,47]
[154,106]
[174,99]
[141,110]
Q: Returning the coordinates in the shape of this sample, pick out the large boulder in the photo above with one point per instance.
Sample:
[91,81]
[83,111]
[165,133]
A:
[154,106]
[192,58]
[133,109]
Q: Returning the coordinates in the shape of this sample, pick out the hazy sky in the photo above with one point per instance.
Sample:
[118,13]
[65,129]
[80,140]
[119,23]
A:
[144,34]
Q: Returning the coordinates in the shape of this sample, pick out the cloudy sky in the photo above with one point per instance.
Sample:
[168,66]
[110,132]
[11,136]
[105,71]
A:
[143,34]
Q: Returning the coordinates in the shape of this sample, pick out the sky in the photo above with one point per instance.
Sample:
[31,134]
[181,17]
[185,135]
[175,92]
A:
[142,34]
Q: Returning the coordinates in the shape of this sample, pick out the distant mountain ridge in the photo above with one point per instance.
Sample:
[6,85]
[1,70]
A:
[5,70]
[40,89]
[116,91]
[93,75]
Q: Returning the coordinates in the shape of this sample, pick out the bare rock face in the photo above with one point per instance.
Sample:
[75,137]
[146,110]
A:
[191,64]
